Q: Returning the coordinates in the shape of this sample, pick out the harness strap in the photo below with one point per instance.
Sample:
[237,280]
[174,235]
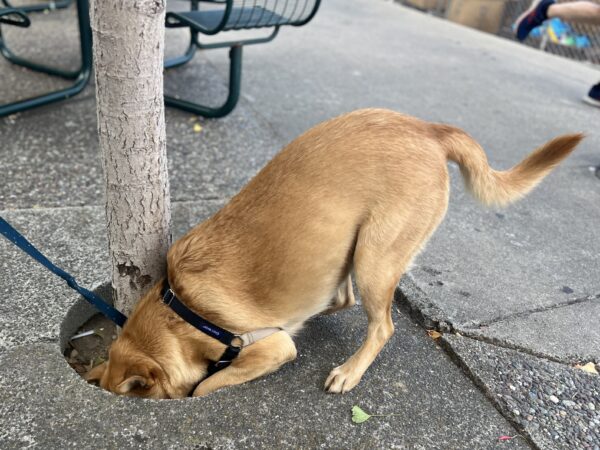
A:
[257,335]
[170,299]
[225,360]
[16,238]
[233,350]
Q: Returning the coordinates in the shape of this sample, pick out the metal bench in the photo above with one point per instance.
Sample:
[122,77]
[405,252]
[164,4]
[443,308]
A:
[10,15]
[218,16]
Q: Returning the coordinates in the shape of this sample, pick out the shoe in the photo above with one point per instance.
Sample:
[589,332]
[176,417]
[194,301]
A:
[593,97]
[532,18]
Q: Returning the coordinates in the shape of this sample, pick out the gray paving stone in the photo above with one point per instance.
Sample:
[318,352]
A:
[549,402]
[565,333]
[484,264]
[55,165]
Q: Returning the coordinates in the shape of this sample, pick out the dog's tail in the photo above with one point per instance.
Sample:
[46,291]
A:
[493,187]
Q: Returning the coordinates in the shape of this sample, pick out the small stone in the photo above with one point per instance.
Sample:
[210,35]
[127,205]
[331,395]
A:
[516,412]
[553,399]
[529,417]
[75,353]
[512,388]
[563,413]
[591,406]
[533,394]
[568,403]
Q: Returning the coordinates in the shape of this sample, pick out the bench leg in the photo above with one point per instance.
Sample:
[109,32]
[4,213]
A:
[235,78]
[186,57]
[10,56]
[81,76]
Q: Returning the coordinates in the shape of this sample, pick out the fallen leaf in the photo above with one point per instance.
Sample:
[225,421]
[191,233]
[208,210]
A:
[434,334]
[197,128]
[589,367]
[358,415]
[506,438]
[99,360]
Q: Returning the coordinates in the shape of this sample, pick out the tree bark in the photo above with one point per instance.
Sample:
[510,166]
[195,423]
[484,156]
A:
[128,56]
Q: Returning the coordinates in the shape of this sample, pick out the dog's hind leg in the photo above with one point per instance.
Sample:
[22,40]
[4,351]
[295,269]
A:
[344,297]
[381,257]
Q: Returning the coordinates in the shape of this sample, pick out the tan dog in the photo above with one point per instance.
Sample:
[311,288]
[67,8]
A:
[360,193]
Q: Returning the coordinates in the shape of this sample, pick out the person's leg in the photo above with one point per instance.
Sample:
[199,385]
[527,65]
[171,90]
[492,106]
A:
[540,10]
[581,11]
[533,17]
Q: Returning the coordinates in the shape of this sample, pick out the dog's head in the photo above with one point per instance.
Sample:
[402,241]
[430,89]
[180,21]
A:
[130,372]
[157,355]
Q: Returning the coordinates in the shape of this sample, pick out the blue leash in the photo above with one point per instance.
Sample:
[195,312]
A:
[16,238]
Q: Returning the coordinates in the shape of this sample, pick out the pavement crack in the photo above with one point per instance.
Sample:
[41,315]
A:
[489,394]
[511,346]
[414,303]
[519,314]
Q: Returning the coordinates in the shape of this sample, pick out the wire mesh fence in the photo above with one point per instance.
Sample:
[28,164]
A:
[576,41]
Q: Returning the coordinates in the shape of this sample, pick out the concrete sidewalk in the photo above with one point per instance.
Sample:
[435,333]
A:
[520,285]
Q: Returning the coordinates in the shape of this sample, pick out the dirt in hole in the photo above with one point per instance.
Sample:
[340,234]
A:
[89,351]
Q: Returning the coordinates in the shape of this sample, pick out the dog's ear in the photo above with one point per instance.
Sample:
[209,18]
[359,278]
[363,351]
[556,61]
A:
[133,382]
[140,376]
[95,375]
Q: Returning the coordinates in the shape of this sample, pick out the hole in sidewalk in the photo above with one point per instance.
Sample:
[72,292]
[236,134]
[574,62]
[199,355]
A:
[97,334]
[90,350]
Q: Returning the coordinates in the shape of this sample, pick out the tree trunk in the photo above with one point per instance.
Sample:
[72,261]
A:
[128,55]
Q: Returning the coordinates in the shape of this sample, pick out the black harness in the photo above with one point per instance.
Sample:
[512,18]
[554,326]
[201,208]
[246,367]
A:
[231,352]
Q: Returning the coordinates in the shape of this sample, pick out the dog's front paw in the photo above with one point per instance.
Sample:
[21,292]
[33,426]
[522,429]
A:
[342,379]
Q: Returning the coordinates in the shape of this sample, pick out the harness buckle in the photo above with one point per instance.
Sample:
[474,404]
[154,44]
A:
[168,297]
[240,339]
[218,364]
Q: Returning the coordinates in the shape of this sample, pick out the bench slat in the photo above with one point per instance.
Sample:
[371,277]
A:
[240,18]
